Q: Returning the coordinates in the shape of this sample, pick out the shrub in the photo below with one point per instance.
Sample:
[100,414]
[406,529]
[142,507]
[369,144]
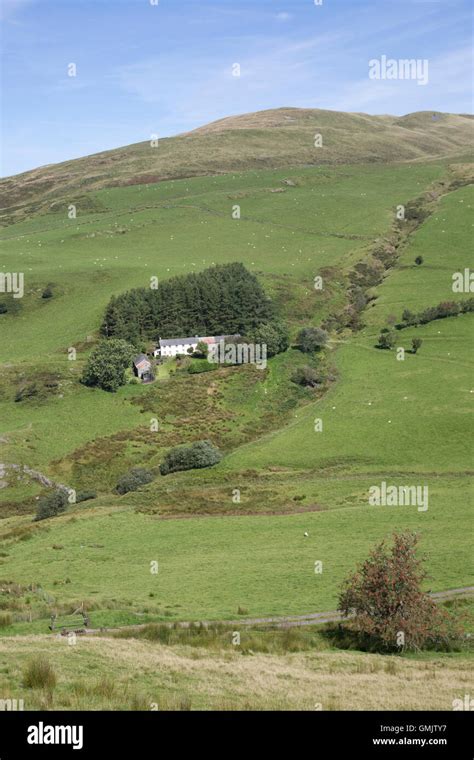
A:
[106,365]
[386,253]
[358,298]
[51,505]
[386,339]
[3,308]
[419,260]
[183,363]
[5,619]
[416,211]
[39,674]
[85,496]
[415,345]
[272,334]
[47,292]
[27,391]
[133,480]
[441,311]
[200,454]
[385,596]
[306,376]
[201,350]
[368,273]
[312,339]
[202,366]
[466,305]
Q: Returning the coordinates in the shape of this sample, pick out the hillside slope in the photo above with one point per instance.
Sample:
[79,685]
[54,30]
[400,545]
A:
[265,139]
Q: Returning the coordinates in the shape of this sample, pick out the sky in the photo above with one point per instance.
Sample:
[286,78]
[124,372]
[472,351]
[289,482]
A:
[161,67]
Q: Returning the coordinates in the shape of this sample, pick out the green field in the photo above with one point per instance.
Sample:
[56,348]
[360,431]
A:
[405,423]
[209,567]
[276,138]
[289,236]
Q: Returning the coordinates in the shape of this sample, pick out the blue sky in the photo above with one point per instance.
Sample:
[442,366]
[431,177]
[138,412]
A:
[162,69]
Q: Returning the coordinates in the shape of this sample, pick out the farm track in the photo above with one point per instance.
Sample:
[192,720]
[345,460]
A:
[286,621]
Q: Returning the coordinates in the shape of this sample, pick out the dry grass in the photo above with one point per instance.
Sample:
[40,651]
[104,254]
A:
[266,139]
[103,673]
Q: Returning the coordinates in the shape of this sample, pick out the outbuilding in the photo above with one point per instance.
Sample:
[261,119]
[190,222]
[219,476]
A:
[142,368]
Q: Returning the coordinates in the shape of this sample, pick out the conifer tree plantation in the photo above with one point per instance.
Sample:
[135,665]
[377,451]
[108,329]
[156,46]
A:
[236,373]
[225,299]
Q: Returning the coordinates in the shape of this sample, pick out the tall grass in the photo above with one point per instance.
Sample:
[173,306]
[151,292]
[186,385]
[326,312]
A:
[39,674]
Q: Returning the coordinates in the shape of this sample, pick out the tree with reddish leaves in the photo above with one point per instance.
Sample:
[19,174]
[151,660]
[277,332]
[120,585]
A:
[385,603]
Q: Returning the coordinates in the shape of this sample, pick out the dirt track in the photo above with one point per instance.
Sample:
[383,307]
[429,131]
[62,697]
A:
[287,621]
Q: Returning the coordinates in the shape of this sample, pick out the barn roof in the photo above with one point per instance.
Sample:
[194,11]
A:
[141,359]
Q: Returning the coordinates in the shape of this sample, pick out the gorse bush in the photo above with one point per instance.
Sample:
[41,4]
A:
[312,339]
[134,479]
[386,339]
[85,496]
[306,376]
[416,211]
[199,454]
[367,273]
[51,505]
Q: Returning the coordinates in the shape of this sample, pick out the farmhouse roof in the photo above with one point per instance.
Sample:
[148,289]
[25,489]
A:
[177,341]
[194,339]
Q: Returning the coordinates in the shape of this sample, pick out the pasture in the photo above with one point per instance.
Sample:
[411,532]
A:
[405,422]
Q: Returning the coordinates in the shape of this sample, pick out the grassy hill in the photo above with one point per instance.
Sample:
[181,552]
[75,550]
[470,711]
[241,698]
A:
[382,418]
[263,140]
[405,422]
[286,238]
[426,399]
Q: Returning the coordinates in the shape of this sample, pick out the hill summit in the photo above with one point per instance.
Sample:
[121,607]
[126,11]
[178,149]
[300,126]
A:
[268,139]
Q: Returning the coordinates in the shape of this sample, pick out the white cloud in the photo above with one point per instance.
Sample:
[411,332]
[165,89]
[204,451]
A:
[203,90]
[284,16]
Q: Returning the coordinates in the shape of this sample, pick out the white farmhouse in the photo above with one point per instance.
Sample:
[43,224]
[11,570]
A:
[180,346]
